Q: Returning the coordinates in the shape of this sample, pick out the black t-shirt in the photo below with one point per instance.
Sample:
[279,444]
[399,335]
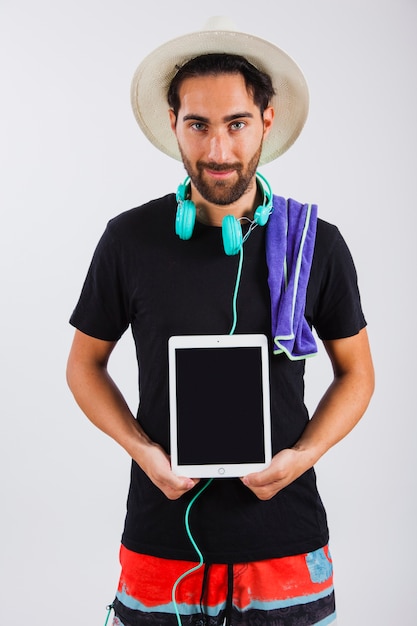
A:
[144,276]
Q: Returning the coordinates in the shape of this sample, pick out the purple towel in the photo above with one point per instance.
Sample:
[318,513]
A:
[290,237]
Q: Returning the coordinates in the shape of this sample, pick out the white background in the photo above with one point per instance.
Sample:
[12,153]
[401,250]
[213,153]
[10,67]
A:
[72,156]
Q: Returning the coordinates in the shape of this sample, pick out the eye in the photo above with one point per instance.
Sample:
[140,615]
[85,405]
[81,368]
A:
[198,126]
[237,125]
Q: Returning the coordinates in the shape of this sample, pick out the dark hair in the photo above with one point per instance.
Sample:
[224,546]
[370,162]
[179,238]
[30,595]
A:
[257,82]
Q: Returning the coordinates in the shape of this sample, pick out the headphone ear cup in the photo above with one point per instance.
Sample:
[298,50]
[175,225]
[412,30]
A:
[261,215]
[232,235]
[185,219]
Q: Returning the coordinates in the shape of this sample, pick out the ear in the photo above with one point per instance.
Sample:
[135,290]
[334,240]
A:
[268,120]
[173,121]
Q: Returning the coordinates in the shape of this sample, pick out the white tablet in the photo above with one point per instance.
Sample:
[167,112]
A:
[219,405]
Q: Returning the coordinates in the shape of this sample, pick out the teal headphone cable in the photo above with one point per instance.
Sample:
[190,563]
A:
[239,274]
[196,548]
[109,609]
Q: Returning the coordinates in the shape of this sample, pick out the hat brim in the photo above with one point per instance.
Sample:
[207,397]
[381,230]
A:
[153,76]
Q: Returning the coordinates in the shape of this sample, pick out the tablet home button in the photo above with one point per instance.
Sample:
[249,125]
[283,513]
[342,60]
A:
[221,470]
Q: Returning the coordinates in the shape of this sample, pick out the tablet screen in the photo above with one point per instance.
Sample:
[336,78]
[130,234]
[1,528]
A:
[220,407]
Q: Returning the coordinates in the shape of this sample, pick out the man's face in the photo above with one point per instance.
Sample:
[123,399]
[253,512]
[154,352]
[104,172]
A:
[220,132]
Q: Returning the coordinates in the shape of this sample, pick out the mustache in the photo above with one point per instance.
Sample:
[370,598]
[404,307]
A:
[218,167]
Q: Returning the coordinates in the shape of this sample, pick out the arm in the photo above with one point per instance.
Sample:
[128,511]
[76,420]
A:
[337,413]
[102,402]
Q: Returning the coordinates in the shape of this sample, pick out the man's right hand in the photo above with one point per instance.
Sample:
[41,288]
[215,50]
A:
[157,466]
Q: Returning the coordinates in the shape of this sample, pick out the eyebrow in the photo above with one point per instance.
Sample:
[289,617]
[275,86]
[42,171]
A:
[227,118]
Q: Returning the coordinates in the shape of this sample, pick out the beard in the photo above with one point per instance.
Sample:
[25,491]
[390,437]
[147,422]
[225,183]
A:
[222,192]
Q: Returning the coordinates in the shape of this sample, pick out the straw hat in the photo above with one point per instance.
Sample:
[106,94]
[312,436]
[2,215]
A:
[153,76]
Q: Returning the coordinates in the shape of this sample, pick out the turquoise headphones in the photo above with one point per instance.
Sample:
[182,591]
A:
[233,238]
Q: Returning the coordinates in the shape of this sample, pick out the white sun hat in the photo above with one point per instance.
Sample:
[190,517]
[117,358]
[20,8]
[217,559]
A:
[153,76]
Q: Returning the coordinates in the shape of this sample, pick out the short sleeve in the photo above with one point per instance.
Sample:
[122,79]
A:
[102,310]
[337,310]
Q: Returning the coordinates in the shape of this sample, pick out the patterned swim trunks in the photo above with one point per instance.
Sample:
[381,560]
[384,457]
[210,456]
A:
[290,591]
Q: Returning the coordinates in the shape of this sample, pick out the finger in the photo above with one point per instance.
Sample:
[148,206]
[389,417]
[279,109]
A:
[188,483]
[175,489]
[265,493]
[258,479]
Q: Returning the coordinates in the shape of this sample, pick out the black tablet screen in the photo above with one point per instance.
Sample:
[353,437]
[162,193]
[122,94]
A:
[220,415]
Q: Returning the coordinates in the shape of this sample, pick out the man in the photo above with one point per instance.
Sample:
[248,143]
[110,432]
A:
[224,102]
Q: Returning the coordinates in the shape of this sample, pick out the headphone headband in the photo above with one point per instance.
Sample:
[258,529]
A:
[266,188]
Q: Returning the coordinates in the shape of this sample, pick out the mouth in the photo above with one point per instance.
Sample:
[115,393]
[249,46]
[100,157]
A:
[219,172]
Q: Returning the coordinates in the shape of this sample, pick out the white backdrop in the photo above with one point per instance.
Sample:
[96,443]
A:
[72,156]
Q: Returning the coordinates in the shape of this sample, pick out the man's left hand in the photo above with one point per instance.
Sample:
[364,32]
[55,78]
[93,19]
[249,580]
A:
[285,467]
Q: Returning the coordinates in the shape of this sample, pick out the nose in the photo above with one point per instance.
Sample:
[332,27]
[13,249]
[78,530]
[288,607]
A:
[219,150]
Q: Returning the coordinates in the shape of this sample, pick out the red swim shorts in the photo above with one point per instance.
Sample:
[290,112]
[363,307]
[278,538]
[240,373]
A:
[289,591]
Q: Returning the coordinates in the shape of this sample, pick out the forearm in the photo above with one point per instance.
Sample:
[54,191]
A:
[338,412]
[102,402]
[340,409]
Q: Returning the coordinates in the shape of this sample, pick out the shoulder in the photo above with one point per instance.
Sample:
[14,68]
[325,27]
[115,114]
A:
[329,243]
[333,298]
[327,233]
[155,214]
